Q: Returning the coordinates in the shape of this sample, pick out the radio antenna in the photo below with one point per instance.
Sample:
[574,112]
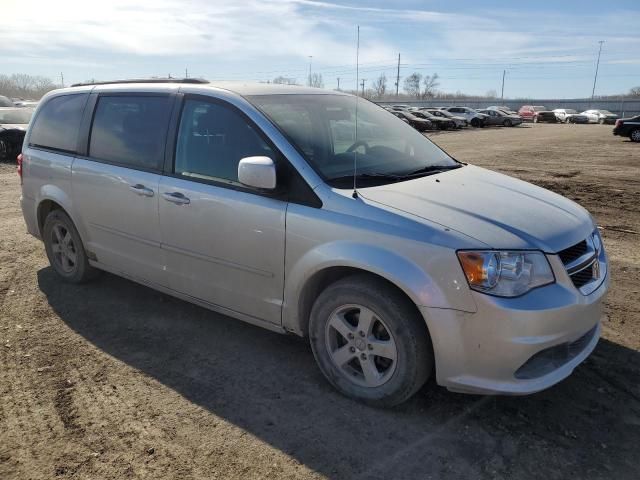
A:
[355,150]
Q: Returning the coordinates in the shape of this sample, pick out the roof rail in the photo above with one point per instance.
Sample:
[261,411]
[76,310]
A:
[145,80]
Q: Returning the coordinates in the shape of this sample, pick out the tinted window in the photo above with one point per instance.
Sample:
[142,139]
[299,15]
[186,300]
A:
[58,122]
[130,130]
[212,140]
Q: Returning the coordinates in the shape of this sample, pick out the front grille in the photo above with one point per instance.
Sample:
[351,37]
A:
[582,277]
[553,358]
[574,252]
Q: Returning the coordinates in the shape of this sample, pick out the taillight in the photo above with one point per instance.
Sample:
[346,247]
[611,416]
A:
[618,122]
[19,160]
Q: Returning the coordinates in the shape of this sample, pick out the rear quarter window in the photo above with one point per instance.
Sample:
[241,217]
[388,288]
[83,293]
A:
[58,122]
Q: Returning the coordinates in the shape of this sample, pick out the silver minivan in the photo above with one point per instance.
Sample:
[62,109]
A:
[316,213]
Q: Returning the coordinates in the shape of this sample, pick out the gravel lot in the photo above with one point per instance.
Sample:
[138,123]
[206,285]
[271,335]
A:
[114,380]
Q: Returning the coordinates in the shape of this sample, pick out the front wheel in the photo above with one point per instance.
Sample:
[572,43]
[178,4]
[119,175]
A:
[370,342]
[635,135]
[64,248]
[475,122]
[601,121]
[507,123]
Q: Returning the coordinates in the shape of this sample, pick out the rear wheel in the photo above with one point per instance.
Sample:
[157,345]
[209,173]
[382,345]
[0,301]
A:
[601,121]
[635,135]
[64,248]
[475,122]
[567,120]
[535,119]
[370,342]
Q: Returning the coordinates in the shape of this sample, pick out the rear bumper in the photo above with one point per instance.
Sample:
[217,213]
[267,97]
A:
[515,346]
[29,212]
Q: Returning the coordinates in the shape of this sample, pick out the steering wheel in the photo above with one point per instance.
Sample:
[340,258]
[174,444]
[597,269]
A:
[359,143]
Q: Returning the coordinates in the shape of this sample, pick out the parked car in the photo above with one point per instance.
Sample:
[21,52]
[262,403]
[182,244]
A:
[628,127]
[498,117]
[474,118]
[537,113]
[26,103]
[568,115]
[420,124]
[503,109]
[600,116]
[13,126]
[441,123]
[460,122]
[5,102]
[239,199]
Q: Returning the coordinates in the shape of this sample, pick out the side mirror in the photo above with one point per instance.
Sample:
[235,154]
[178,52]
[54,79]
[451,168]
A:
[257,172]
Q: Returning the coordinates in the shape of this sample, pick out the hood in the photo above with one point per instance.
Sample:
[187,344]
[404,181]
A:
[497,210]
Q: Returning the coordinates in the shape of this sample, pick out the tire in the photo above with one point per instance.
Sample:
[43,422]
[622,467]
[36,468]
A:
[601,121]
[507,123]
[475,122]
[635,135]
[65,249]
[390,324]
[535,119]
[567,120]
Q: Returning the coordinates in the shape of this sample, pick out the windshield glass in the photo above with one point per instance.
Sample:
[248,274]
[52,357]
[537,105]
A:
[322,127]
[15,115]
[606,112]
[569,110]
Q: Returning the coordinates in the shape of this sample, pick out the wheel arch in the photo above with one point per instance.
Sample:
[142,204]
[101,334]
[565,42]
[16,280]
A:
[309,277]
[52,198]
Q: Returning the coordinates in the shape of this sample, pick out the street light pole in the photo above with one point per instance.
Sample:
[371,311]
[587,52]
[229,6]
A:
[502,93]
[310,58]
[595,77]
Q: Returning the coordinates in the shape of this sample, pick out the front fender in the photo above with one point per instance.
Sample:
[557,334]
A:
[413,280]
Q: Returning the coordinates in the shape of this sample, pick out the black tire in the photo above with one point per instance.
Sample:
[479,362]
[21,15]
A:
[635,135]
[475,122]
[568,120]
[535,119]
[406,328]
[79,270]
[601,121]
[507,123]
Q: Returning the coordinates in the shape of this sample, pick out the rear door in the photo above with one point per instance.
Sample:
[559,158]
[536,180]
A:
[115,186]
[224,242]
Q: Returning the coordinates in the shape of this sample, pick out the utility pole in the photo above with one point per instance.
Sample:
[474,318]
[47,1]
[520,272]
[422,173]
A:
[595,77]
[62,79]
[362,83]
[186,73]
[310,58]
[502,93]
[338,83]
[398,77]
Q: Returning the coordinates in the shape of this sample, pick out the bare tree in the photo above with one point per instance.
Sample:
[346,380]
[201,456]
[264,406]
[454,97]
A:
[634,92]
[21,85]
[379,86]
[315,80]
[285,80]
[412,84]
[430,83]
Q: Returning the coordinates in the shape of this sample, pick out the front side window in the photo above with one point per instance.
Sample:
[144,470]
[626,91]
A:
[130,130]
[385,146]
[58,122]
[212,140]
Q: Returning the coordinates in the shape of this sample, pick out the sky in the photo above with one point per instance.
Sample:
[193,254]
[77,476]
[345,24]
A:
[548,49]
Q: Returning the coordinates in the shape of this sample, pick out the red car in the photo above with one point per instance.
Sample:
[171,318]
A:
[537,113]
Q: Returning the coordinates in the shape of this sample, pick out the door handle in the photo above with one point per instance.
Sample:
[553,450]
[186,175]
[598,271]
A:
[176,197]
[140,189]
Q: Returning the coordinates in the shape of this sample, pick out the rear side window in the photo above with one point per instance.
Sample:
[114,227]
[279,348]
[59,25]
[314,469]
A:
[212,140]
[130,130]
[58,122]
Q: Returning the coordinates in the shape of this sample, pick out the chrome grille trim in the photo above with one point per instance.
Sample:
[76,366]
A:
[585,265]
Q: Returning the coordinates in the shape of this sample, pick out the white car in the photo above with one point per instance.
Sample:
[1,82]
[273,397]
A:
[569,115]
[600,116]
[474,118]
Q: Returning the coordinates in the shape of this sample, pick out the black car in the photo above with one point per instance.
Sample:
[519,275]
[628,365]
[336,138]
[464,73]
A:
[439,122]
[419,124]
[628,127]
[13,126]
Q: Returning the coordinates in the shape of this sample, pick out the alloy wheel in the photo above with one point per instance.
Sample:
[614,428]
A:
[635,135]
[361,345]
[64,250]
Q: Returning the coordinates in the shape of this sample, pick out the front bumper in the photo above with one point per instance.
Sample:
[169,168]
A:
[507,345]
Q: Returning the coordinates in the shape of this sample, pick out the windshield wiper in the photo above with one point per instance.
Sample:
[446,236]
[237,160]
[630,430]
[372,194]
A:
[431,169]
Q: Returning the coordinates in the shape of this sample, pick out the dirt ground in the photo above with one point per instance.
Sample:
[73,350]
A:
[113,380]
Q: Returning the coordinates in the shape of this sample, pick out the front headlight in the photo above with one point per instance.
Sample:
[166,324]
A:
[505,274]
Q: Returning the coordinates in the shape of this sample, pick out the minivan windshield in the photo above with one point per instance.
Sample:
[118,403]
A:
[322,127]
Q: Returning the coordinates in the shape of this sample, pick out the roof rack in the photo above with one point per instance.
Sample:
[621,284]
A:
[145,80]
